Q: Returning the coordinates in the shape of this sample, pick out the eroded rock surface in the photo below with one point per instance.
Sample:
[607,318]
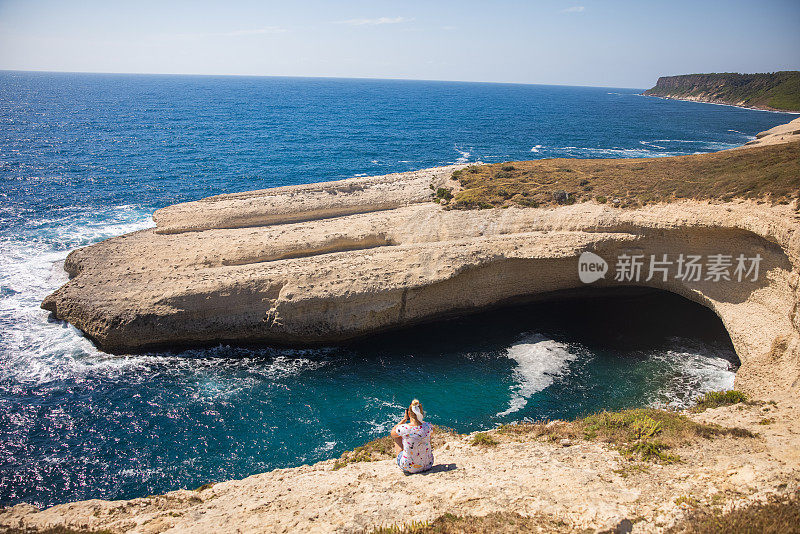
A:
[325,263]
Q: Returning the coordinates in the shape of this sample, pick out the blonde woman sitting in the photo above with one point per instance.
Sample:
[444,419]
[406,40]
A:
[412,440]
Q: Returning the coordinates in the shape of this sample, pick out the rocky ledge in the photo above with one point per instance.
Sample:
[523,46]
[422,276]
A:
[328,262]
[561,482]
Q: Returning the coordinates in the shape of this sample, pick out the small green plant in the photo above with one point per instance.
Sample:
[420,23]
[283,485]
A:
[766,421]
[601,199]
[206,486]
[482,439]
[716,399]
[415,527]
[631,468]
[508,168]
[646,427]
[444,194]
[687,500]
[651,451]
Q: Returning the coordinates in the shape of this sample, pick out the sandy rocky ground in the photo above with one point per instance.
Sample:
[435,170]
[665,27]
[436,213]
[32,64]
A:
[780,134]
[587,484]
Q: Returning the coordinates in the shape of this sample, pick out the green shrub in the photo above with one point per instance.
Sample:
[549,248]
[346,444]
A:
[444,194]
[716,399]
[483,439]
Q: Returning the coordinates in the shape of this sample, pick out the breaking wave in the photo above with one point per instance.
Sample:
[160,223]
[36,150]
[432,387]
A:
[539,362]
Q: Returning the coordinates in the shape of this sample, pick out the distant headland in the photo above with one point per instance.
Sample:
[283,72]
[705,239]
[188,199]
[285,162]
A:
[773,91]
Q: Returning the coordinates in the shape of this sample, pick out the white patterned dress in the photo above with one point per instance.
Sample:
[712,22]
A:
[417,455]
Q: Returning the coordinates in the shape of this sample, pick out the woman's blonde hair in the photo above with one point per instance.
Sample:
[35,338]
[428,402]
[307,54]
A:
[413,415]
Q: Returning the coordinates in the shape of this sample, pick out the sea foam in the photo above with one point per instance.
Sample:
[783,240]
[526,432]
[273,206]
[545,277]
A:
[540,361]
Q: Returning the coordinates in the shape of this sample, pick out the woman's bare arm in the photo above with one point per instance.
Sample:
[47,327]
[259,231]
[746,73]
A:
[394,433]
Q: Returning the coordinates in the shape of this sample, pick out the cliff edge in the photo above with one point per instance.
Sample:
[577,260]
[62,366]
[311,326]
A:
[774,91]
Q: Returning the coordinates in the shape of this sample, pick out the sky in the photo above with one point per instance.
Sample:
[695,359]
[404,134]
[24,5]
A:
[610,43]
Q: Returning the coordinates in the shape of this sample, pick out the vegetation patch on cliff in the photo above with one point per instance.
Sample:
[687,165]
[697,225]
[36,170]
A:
[769,173]
[495,522]
[716,399]
[771,90]
[645,434]
[779,514]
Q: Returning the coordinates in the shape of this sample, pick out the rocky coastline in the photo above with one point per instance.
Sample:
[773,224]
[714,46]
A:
[329,262]
[775,91]
[325,263]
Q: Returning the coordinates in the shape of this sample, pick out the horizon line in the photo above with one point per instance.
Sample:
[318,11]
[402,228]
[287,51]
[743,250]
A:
[377,78]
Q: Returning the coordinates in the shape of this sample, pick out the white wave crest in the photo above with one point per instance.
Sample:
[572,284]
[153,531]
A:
[36,349]
[539,362]
[696,371]
[647,143]
[464,157]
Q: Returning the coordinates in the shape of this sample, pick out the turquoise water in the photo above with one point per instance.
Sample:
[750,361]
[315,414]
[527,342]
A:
[86,157]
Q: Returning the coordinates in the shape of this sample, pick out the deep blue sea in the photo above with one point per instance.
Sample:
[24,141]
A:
[84,157]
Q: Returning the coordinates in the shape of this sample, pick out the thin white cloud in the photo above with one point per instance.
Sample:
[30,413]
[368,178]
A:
[573,9]
[375,22]
[258,31]
[234,33]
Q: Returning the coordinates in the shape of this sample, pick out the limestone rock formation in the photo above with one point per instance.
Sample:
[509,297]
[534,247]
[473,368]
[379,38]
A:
[324,263]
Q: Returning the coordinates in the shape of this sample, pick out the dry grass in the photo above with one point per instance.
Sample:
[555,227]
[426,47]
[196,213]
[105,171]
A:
[640,434]
[482,439]
[770,173]
[716,399]
[779,515]
[496,523]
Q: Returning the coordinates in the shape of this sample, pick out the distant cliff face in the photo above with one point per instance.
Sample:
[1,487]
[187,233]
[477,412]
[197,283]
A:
[779,91]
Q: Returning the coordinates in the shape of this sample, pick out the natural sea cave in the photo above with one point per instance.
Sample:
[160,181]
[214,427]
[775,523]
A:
[154,422]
